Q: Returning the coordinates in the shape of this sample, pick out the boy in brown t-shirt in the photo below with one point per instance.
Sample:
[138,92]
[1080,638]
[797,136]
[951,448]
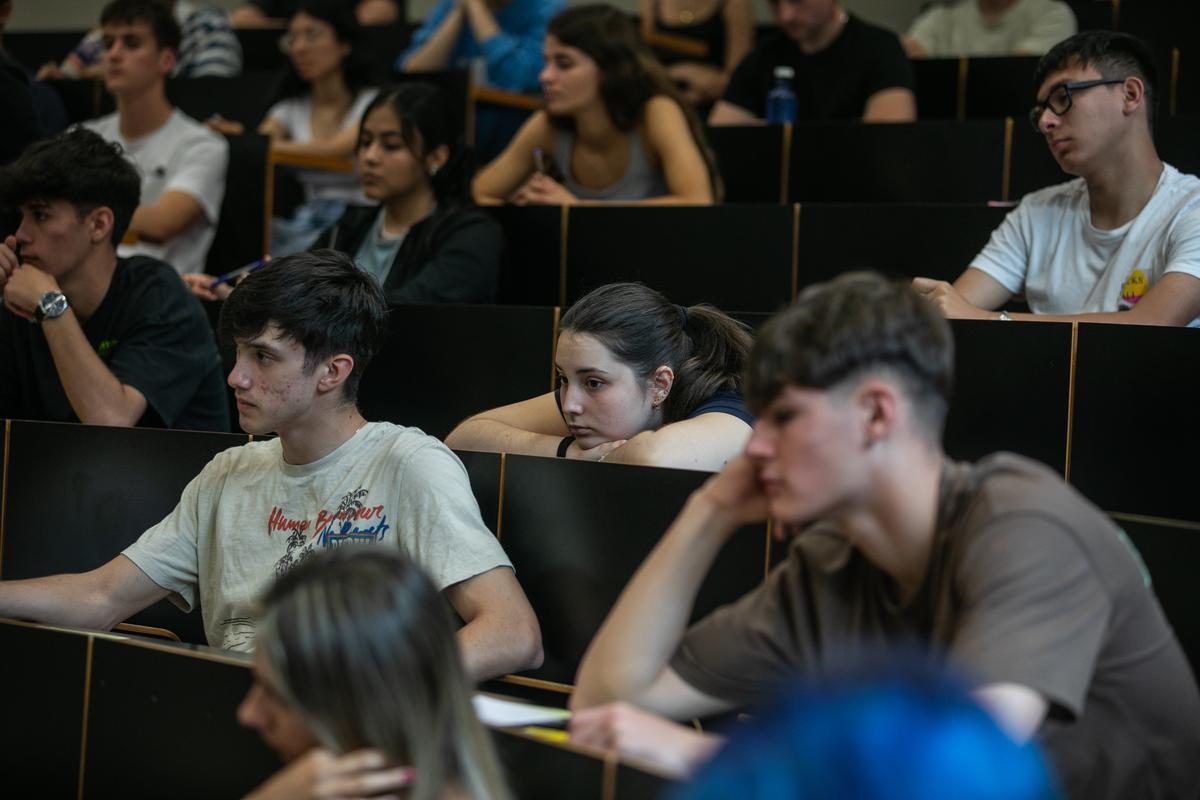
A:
[1003,570]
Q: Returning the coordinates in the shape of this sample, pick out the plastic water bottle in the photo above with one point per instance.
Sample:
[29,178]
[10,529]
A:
[781,100]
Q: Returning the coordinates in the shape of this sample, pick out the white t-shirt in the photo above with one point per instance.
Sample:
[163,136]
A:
[181,156]
[1048,248]
[295,114]
[1028,27]
[250,516]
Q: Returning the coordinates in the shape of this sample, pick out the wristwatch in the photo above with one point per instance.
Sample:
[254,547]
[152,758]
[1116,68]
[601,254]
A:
[52,305]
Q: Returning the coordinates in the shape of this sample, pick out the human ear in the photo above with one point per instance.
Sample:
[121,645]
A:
[878,403]
[99,224]
[436,159]
[661,382]
[166,60]
[337,370]
[1133,93]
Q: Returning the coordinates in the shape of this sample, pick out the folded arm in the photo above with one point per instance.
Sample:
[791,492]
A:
[706,442]
[501,634]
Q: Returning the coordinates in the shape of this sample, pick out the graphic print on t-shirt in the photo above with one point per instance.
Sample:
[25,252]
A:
[353,521]
[1134,288]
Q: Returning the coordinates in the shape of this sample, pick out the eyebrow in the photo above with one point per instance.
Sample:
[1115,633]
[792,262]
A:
[582,370]
[261,344]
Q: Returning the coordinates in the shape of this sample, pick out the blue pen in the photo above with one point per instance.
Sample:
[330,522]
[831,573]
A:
[237,273]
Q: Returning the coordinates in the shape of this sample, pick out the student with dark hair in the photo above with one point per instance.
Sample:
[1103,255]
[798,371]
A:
[838,67]
[615,127]
[181,163]
[998,568]
[358,684]
[424,242]
[1121,242]
[640,381]
[305,327]
[207,46]
[320,100]
[115,341]
[276,13]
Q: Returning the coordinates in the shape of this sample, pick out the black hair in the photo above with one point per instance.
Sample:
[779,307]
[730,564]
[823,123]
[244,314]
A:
[154,13]
[321,300]
[840,330]
[427,123]
[706,349]
[1114,55]
[356,69]
[630,75]
[77,166]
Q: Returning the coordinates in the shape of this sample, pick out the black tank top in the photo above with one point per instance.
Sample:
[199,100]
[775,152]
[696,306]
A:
[709,31]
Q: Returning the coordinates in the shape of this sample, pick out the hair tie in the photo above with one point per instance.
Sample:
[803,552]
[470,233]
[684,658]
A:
[683,316]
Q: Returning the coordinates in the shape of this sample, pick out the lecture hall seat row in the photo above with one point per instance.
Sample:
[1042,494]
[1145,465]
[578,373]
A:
[92,715]
[1106,406]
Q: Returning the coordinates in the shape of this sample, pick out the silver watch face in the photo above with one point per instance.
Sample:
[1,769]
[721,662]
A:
[52,304]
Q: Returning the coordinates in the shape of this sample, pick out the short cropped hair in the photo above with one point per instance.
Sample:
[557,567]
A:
[840,331]
[80,167]
[1114,55]
[155,14]
[319,299]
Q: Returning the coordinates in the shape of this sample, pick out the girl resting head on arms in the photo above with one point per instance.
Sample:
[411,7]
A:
[614,127]
[359,686]
[641,381]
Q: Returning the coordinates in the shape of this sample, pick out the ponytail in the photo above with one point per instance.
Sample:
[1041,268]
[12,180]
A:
[715,363]
[706,349]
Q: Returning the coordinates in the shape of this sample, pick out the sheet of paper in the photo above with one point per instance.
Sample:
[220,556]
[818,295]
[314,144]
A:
[501,713]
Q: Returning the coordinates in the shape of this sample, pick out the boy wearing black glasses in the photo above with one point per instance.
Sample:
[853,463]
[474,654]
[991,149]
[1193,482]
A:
[1121,243]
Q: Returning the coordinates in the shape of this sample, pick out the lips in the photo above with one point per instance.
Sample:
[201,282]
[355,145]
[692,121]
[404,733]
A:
[579,430]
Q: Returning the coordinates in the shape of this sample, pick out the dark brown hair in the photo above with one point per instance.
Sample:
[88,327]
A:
[857,323]
[705,348]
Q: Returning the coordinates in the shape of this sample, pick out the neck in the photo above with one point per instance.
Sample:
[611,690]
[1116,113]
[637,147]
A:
[331,90]
[143,113]
[1120,188]
[87,284]
[895,526]
[401,213]
[319,432]
[594,128]
[824,36]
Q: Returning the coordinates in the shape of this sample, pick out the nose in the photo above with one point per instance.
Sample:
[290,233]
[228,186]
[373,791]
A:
[761,444]
[1047,121]
[571,403]
[238,379]
[248,713]
[23,233]
[546,75]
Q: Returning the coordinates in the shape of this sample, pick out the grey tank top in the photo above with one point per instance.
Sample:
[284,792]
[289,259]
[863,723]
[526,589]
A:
[639,182]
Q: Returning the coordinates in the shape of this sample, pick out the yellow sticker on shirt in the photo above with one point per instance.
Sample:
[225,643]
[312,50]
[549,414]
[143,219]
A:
[1135,286]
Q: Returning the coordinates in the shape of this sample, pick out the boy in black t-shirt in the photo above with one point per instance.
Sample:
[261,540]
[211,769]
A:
[842,67]
[85,336]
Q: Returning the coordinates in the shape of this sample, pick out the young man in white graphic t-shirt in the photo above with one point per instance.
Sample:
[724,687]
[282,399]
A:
[305,327]
[1121,243]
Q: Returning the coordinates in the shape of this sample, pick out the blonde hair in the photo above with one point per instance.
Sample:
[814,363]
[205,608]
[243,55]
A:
[360,641]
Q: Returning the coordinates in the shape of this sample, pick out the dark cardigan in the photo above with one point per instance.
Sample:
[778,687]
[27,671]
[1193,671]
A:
[462,264]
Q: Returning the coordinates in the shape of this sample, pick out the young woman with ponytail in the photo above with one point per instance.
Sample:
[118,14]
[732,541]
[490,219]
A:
[614,129]
[640,381]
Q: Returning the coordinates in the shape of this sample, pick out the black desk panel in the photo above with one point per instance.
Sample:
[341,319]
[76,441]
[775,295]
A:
[577,530]
[936,87]
[79,494]
[736,257]
[42,711]
[1136,431]
[750,160]
[441,364]
[1000,87]
[539,771]
[921,162]
[243,99]
[929,240]
[1011,390]
[531,269]
[484,472]
[163,724]
[1172,555]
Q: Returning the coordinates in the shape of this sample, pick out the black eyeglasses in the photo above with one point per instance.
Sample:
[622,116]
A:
[1060,98]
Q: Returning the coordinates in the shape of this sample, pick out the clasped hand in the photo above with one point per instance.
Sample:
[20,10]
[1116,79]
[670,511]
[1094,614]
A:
[541,189]
[22,284]
[948,299]
[320,774]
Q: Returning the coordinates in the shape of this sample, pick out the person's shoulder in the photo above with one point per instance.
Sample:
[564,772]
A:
[1181,184]
[106,126]
[869,31]
[1068,193]
[185,129]
[1006,484]
[406,447]
[244,460]
[155,282]
[464,218]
